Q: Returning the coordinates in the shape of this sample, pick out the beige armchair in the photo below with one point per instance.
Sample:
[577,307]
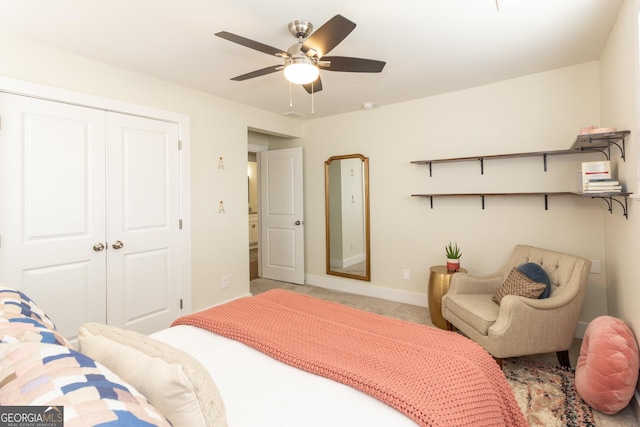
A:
[520,326]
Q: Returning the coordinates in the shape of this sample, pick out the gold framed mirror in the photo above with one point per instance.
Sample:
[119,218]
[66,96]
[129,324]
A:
[347,216]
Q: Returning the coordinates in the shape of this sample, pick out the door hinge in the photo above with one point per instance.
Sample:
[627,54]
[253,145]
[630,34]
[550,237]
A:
[180,303]
[180,224]
[179,145]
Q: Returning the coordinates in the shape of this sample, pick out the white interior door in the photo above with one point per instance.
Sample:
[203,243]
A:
[282,215]
[143,235]
[52,198]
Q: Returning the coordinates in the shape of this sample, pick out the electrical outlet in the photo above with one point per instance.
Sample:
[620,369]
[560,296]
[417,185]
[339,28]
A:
[406,274]
[224,282]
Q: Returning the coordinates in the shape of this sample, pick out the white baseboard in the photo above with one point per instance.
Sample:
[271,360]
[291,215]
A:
[358,287]
[248,294]
[367,289]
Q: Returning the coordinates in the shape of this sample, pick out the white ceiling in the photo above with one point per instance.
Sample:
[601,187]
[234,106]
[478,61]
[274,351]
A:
[430,46]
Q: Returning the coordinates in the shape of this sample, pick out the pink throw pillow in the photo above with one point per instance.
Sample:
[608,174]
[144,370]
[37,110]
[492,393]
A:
[607,369]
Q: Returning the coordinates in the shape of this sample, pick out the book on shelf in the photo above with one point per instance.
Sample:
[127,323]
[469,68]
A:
[608,185]
[601,183]
[612,189]
[592,171]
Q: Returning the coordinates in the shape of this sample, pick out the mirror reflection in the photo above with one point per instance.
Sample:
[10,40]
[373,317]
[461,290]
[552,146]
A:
[347,216]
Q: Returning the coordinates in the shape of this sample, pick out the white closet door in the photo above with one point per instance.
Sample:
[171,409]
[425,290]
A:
[52,207]
[143,232]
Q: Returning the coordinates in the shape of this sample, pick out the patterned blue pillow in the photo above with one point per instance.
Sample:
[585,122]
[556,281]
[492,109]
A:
[536,273]
[54,375]
[21,319]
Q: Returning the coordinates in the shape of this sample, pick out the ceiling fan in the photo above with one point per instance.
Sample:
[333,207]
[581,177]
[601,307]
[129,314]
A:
[303,60]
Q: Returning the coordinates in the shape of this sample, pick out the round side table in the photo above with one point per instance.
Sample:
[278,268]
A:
[439,279]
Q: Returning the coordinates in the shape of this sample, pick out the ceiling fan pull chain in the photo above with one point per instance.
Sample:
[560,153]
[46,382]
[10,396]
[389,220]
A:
[290,100]
[312,92]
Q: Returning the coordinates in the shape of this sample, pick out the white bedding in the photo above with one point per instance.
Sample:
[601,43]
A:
[259,391]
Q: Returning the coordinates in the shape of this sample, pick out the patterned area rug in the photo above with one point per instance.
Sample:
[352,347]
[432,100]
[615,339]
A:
[546,394]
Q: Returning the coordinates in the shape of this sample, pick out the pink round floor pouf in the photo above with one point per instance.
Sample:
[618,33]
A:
[607,369]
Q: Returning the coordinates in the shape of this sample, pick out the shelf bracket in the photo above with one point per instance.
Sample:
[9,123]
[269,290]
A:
[430,173]
[609,201]
[546,202]
[482,198]
[606,151]
[544,161]
[481,165]
[431,197]
[620,147]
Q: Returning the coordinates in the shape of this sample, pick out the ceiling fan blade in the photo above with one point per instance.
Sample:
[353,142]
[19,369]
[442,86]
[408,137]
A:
[258,73]
[315,87]
[328,36]
[261,47]
[353,65]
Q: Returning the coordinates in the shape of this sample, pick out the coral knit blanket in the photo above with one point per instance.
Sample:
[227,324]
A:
[434,377]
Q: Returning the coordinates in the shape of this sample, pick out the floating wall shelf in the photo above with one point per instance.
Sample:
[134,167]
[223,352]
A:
[601,142]
[609,198]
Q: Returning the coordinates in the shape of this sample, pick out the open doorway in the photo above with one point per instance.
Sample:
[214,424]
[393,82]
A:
[276,233]
[257,143]
[254,229]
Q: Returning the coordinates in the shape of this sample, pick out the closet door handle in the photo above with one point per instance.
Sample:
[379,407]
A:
[98,247]
[117,244]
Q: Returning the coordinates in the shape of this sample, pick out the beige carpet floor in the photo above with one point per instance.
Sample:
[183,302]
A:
[416,314]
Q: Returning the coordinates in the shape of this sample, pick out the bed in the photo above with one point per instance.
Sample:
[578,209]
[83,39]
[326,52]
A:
[285,359]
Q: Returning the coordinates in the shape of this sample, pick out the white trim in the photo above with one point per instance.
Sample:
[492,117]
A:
[35,90]
[358,288]
[636,117]
[49,93]
[367,289]
[255,148]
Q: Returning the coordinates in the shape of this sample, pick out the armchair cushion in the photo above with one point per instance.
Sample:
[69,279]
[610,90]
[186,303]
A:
[476,310]
[518,283]
[536,273]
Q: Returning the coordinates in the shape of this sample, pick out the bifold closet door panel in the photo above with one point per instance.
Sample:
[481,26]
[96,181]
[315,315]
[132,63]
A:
[52,207]
[143,258]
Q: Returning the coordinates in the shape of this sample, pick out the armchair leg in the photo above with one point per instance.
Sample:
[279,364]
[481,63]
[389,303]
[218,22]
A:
[498,361]
[449,326]
[563,358]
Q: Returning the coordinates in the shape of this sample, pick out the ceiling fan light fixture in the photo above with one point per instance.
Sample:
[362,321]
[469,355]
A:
[300,71]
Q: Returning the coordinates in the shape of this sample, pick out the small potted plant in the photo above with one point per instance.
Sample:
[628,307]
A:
[453,256]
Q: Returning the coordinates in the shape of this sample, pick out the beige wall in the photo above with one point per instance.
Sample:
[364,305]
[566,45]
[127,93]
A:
[537,112]
[619,85]
[218,129]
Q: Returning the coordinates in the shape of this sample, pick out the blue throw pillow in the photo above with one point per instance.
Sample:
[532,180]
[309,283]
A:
[536,273]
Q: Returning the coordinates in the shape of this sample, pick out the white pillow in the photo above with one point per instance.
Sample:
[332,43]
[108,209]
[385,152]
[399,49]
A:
[173,381]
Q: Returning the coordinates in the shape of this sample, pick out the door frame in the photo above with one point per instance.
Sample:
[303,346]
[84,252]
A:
[35,90]
[255,148]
